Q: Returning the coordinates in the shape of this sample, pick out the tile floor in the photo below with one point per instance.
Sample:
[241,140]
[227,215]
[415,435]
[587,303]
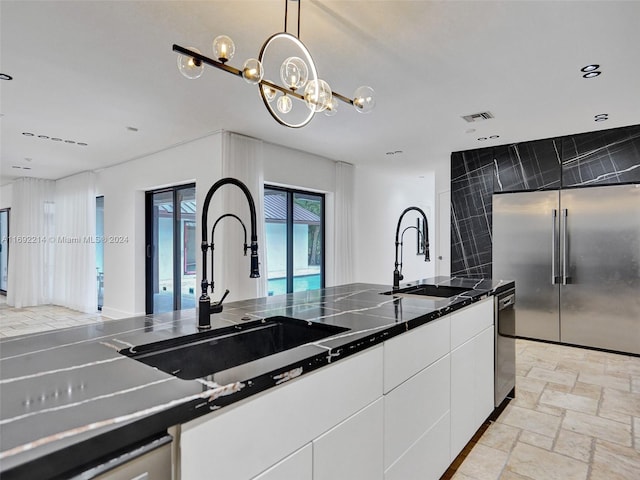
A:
[576,415]
[20,321]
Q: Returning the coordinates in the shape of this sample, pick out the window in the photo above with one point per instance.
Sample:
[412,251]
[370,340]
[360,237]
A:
[171,249]
[295,240]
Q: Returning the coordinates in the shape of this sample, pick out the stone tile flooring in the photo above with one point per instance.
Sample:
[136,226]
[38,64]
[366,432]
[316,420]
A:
[20,321]
[576,416]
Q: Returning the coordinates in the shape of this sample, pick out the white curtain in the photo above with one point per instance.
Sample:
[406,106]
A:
[32,241]
[343,237]
[75,275]
[242,158]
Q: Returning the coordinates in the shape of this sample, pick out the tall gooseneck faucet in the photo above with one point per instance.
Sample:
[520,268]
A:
[397,272]
[205,307]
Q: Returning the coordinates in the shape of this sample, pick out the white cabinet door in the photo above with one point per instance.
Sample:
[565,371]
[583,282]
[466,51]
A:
[298,466]
[470,321]
[471,388]
[414,407]
[410,352]
[351,450]
[428,458]
[278,422]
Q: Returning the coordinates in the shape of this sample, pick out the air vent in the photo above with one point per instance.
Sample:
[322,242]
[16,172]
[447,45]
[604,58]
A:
[476,117]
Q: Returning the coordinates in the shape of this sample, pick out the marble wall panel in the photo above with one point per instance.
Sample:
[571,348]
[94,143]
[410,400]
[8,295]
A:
[601,158]
[471,208]
[527,166]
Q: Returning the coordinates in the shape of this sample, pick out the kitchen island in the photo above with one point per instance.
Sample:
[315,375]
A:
[70,401]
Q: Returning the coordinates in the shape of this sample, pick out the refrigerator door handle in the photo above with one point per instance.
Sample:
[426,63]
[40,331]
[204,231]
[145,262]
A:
[554,246]
[566,279]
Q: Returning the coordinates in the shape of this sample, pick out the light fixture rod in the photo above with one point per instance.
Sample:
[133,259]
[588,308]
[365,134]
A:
[207,60]
[238,73]
[286,11]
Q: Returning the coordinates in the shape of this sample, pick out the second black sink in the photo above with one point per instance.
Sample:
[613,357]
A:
[205,353]
[426,290]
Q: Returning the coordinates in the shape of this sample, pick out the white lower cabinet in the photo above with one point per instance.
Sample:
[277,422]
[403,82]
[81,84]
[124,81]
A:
[413,408]
[351,450]
[428,458]
[416,425]
[471,388]
[297,466]
[245,439]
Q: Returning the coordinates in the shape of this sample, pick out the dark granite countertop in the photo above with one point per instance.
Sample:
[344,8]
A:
[68,398]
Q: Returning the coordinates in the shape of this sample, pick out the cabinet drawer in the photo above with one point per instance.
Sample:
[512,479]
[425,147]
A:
[298,465]
[410,352]
[414,407]
[471,320]
[427,459]
[351,450]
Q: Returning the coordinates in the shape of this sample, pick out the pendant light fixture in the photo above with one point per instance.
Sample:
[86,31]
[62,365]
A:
[298,96]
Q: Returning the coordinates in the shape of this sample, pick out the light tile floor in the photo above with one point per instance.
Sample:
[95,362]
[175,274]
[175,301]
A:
[20,321]
[576,416]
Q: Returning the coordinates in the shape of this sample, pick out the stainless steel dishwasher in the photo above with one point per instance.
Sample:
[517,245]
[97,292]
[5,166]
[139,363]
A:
[505,346]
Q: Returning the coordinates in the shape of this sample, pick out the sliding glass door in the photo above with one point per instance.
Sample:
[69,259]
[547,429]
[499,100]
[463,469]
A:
[170,249]
[295,240]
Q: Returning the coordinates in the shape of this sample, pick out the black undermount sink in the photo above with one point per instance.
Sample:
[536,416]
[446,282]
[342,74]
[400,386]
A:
[438,291]
[205,353]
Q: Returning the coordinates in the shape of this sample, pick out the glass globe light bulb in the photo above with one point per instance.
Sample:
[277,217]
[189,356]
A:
[332,108]
[364,99]
[269,92]
[317,95]
[223,48]
[252,71]
[190,67]
[294,73]
[284,104]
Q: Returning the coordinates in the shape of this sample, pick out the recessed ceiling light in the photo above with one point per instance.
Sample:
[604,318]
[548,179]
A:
[494,136]
[45,137]
[590,68]
[69,141]
[601,117]
[27,134]
[482,139]
[56,139]
[82,144]
[591,74]
[4,76]
[132,129]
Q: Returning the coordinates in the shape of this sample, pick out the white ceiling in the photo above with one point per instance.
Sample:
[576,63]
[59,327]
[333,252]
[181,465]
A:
[87,70]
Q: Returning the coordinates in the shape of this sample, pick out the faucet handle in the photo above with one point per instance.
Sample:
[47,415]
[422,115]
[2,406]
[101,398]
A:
[216,307]
[226,292]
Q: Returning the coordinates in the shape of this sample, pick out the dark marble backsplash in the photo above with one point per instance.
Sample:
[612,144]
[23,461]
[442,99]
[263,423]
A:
[606,157]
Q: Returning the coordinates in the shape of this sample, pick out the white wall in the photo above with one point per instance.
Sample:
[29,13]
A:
[380,199]
[123,187]
[6,195]
[442,173]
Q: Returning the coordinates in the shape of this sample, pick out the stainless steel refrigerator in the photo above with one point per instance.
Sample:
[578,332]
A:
[575,257]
